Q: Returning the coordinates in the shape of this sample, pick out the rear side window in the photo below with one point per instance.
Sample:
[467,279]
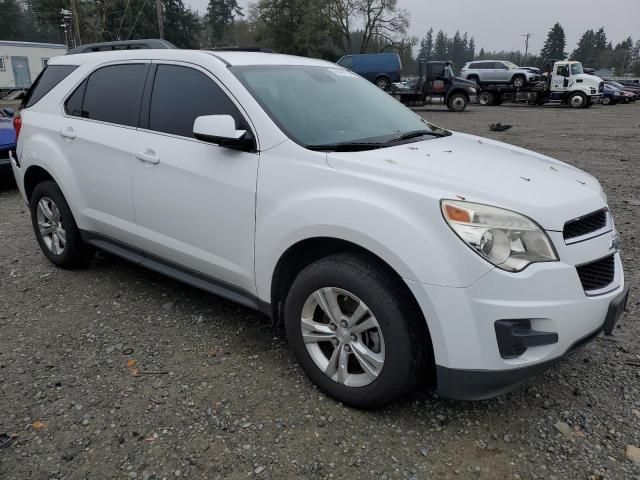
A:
[347,62]
[181,94]
[111,94]
[51,76]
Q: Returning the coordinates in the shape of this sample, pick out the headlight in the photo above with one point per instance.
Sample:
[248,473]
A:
[472,90]
[616,94]
[506,239]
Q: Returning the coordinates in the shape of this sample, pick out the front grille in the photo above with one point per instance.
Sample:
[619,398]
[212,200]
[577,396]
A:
[585,225]
[597,275]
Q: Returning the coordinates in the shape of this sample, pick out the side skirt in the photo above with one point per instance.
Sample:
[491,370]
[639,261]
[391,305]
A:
[175,271]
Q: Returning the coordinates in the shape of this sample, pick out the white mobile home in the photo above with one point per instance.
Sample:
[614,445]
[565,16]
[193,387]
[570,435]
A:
[21,62]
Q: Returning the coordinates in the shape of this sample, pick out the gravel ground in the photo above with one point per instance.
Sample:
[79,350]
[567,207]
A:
[116,372]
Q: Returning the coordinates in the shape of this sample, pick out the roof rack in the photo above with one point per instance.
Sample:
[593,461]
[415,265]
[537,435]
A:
[242,49]
[122,45]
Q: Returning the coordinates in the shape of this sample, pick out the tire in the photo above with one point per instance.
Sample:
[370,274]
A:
[605,101]
[395,341]
[485,99]
[577,100]
[457,102]
[383,83]
[518,81]
[50,212]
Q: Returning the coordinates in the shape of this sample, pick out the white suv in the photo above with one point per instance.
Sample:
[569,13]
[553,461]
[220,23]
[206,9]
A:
[498,71]
[389,248]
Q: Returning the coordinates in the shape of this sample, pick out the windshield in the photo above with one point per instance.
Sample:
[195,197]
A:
[328,106]
[511,65]
[576,69]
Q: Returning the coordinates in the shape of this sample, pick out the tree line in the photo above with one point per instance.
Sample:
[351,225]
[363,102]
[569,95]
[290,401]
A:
[316,28]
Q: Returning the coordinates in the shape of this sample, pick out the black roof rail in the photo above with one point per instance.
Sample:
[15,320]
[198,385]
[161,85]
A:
[242,49]
[143,44]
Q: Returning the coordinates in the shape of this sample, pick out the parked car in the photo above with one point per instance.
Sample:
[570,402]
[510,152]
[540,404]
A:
[389,248]
[383,69]
[7,141]
[631,94]
[611,95]
[498,71]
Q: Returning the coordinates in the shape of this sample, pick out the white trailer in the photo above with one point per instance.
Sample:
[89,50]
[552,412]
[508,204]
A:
[22,62]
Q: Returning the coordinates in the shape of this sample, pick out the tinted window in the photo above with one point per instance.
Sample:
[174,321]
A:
[181,94]
[48,78]
[500,66]
[73,105]
[113,94]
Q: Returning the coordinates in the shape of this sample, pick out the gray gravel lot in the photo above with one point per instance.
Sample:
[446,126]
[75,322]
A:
[116,372]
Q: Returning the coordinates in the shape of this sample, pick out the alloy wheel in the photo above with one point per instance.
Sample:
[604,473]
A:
[343,337]
[50,226]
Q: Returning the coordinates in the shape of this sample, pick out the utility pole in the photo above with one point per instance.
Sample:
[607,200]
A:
[526,45]
[160,26]
[76,23]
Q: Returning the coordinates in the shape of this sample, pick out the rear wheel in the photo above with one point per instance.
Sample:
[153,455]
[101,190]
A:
[457,102]
[55,228]
[485,99]
[354,332]
[383,83]
[577,100]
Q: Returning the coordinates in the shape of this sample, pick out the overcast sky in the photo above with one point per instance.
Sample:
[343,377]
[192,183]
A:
[500,24]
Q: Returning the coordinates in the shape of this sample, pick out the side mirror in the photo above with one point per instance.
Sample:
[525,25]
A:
[221,130]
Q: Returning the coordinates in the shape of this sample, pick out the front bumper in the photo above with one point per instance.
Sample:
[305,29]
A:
[483,384]
[547,297]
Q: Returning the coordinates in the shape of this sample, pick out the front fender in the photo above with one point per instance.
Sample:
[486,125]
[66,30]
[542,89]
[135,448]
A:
[402,227]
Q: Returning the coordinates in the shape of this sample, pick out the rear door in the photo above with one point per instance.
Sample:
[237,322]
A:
[97,135]
[500,73]
[194,200]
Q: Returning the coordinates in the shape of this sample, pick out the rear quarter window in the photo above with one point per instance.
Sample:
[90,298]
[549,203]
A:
[51,76]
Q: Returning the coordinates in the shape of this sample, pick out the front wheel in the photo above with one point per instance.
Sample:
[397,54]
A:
[354,331]
[457,102]
[606,101]
[55,228]
[578,100]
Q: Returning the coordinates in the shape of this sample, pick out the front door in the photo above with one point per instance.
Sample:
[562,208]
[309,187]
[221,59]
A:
[21,72]
[560,78]
[194,200]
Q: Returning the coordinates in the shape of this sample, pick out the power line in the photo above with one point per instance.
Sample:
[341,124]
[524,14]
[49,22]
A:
[122,20]
[137,18]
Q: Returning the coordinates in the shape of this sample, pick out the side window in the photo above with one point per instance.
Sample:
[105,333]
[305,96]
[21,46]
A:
[181,94]
[48,79]
[112,94]
[485,65]
[500,66]
[73,105]
[346,62]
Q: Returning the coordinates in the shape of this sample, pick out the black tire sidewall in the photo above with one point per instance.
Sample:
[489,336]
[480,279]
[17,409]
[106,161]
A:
[383,80]
[401,357]
[452,98]
[75,251]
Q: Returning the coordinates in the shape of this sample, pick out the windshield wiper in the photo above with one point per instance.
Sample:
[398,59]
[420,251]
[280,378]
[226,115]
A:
[346,147]
[418,133]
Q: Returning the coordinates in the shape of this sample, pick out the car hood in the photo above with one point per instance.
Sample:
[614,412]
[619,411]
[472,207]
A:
[7,133]
[485,171]
[464,81]
[585,77]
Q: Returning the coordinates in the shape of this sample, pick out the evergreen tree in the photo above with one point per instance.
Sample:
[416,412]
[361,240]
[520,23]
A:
[426,46]
[221,15]
[440,46]
[555,44]
[9,24]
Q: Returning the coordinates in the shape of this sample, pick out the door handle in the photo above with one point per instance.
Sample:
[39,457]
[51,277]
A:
[148,156]
[68,133]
